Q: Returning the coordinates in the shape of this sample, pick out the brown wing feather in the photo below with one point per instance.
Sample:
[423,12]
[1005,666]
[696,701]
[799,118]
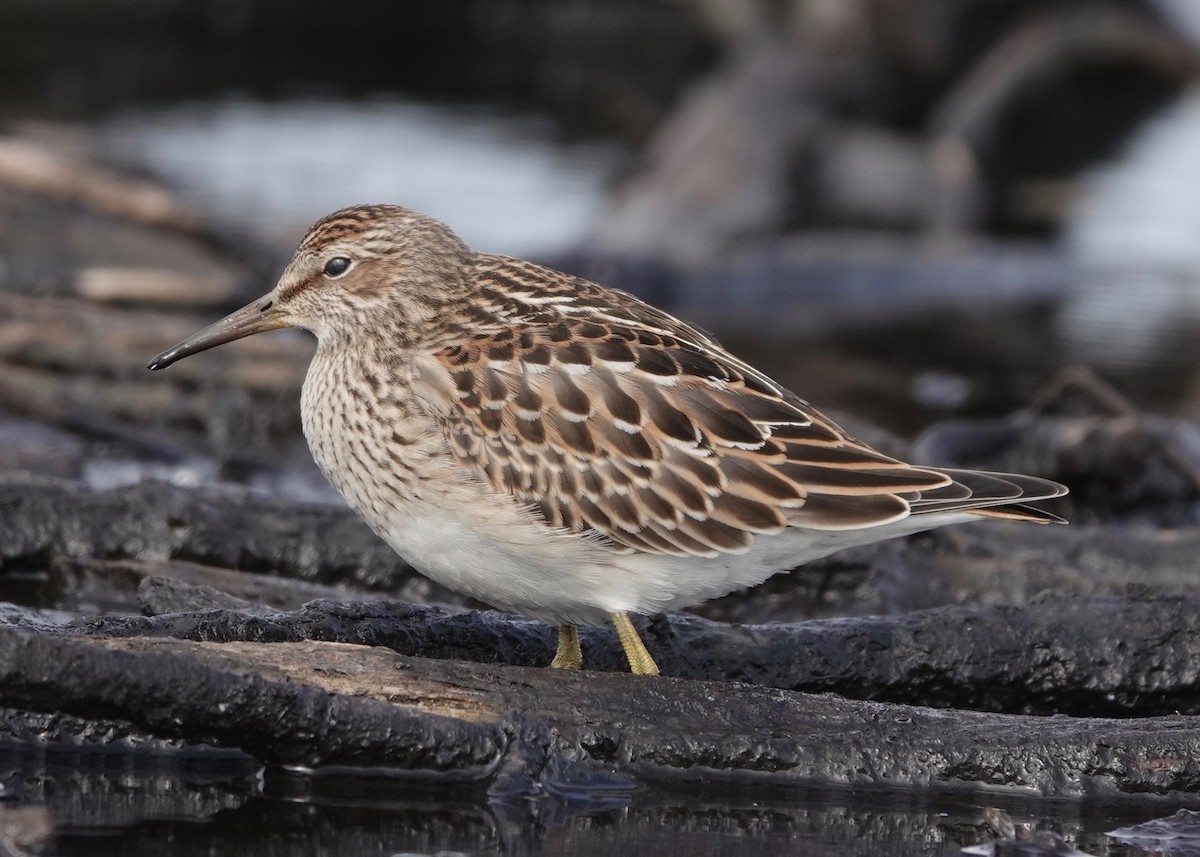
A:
[612,417]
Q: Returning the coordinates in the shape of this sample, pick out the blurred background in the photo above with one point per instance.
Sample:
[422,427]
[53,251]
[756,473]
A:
[904,209]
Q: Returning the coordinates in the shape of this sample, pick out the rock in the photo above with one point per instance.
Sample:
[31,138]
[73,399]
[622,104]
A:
[164,595]
[544,734]
[1097,656]
[155,521]
[24,830]
[171,586]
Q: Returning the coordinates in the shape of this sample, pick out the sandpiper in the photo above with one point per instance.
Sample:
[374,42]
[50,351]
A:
[564,450]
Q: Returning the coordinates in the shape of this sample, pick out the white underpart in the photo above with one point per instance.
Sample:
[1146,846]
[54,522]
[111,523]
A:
[684,581]
[558,579]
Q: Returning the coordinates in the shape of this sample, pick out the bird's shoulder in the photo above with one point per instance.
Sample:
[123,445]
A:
[520,291]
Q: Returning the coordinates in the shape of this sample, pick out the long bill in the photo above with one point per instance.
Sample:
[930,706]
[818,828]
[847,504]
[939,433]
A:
[253,318]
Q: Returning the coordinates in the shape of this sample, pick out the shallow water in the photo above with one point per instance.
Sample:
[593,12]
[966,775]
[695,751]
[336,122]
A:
[125,803]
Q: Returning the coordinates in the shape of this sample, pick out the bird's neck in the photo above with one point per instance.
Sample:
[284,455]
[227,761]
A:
[373,361]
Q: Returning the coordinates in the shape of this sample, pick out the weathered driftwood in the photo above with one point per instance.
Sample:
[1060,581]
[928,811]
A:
[537,732]
[47,244]
[1017,64]
[33,168]
[154,287]
[760,147]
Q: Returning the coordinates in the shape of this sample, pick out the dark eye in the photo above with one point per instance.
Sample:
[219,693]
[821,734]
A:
[337,266]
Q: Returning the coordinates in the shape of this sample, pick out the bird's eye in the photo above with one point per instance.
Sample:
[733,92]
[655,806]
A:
[337,266]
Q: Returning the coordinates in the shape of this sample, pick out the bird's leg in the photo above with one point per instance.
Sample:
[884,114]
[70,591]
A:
[640,662]
[569,656]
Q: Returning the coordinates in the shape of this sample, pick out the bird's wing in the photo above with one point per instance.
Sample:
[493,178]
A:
[612,417]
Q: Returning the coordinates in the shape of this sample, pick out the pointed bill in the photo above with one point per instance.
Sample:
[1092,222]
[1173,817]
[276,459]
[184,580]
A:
[253,318]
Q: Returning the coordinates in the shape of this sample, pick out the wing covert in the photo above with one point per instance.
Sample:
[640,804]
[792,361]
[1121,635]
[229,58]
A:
[651,441]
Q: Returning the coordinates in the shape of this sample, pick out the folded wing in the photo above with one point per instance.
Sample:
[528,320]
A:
[611,418]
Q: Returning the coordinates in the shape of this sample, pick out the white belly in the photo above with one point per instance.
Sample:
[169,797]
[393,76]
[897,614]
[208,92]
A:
[514,564]
[686,581]
[560,579]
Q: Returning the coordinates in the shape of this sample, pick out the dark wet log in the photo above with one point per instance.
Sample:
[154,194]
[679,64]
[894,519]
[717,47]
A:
[1098,656]
[987,563]
[167,586]
[229,706]
[523,732]
[164,595]
[1002,564]
[85,586]
[230,529]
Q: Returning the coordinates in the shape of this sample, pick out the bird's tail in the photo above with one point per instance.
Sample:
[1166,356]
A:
[994,495]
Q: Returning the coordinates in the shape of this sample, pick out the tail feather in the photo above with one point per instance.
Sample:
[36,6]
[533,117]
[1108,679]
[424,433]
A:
[990,494]
[1021,512]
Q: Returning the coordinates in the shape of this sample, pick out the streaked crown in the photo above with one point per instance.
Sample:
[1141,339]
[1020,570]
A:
[370,265]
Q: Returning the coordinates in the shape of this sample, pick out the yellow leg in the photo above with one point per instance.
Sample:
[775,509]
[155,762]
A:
[640,662]
[569,656]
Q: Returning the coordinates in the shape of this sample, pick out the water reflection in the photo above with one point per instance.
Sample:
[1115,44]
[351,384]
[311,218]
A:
[109,803]
[504,183]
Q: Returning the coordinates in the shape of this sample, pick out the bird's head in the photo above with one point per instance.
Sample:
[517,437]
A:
[366,269]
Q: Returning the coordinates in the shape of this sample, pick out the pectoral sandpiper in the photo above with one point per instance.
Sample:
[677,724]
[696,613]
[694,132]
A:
[563,450]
